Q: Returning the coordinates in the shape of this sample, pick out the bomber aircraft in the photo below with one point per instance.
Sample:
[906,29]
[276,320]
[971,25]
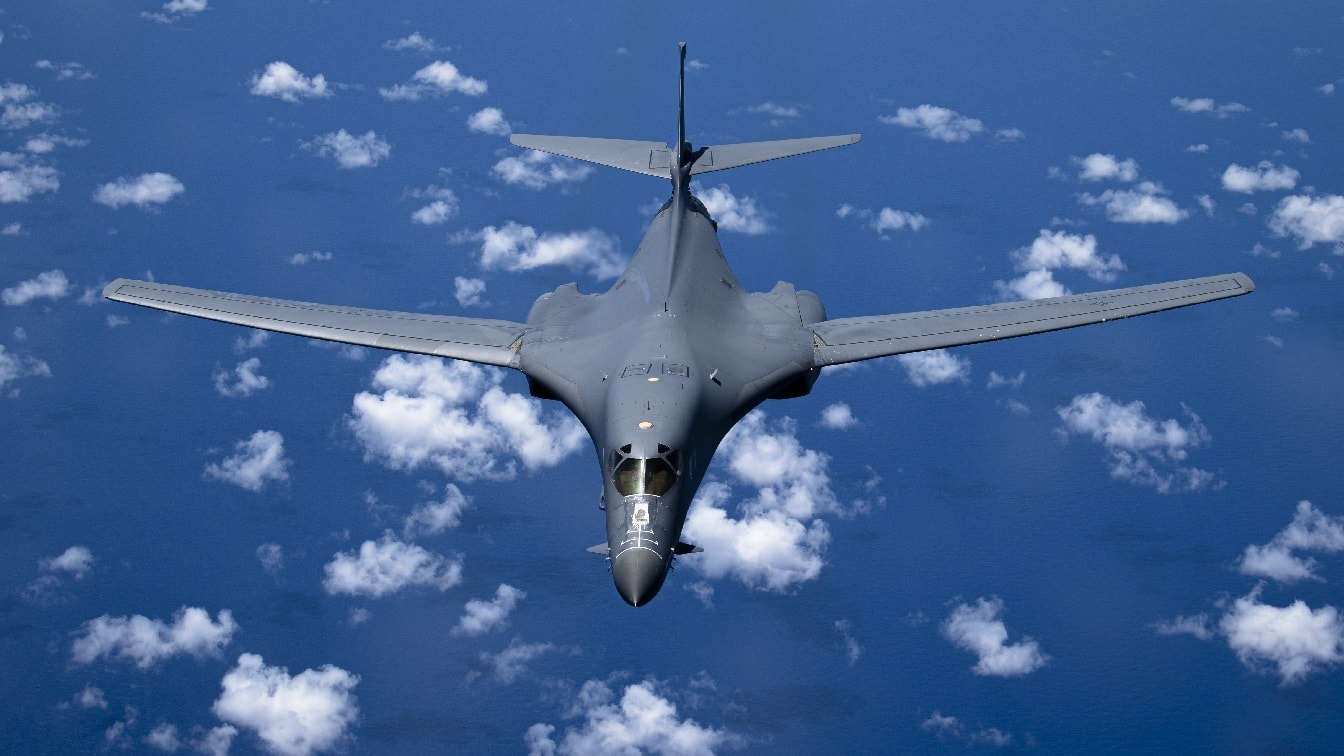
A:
[660,367]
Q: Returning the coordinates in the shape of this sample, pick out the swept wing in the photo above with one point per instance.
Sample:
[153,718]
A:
[864,338]
[491,342]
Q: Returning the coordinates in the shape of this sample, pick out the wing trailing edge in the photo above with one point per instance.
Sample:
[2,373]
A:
[490,342]
[865,338]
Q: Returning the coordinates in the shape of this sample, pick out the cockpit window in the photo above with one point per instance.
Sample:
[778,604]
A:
[654,476]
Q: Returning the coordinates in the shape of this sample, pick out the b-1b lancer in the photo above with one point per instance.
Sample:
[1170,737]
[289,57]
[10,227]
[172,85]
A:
[661,366]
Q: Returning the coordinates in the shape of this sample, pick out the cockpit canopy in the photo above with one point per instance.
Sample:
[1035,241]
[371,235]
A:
[654,476]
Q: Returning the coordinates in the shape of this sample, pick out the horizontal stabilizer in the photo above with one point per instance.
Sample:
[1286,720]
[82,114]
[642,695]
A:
[685,548]
[600,549]
[649,158]
[724,156]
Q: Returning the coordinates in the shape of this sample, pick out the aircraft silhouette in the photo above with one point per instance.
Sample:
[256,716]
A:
[660,367]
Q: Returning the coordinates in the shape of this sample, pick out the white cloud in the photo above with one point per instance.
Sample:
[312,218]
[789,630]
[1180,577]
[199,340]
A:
[1326,89]
[514,247]
[13,367]
[1208,203]
[272,557]
[437,78]
[778,540]
[1054,250]
[852,648]
[1103,167]
[216,741]
[143,191]
[303,258]
[1263,177]
[66,71]
[1034,284]
[481,617]
[936,122]
[1196,625]
[164,737]
[415,42]
[741,215]
[489,121]
[387,566]
[951,727]
[978,628]
[76,560]
[44,143]
[838,416]
[468,291]
[21,178]
[19,114]
[175,10]
[244,381]
[1197,148]
[350,151]
[1284,314]
[259,459]
[644,720]
[51,285]
[1310,530]
[293,716]
[1144,203]
[998,381]
[91,698]
[255,339]
[1207,105]
[1143,450]
[435,517]
[537,170]
[508,665]
[1297,135]
[1310,219]
[455,416]
[148,641]
[12,229]
[282,80]
[894,220]
[1009,135]
[1295,639]
[435,213]
[776,110]
[934,367]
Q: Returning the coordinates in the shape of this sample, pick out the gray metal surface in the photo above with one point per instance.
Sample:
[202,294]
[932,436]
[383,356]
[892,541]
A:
[660,367]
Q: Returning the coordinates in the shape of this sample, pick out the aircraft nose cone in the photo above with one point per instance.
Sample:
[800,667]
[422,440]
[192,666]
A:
[638,573]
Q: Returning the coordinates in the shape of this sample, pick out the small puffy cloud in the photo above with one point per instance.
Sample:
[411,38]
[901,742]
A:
[468,291]
[415,42]
[51,285]
[216,741]
[1144,203]
[255,462]
[1197,148]
[65,71]
[143,191]
[12,229]
[936,123]
[508,665]
[255,339]
[293,715]
[1310,530]
[1196,625]
[644,720]
[998,381]
[1143,450]
[776,110]
[1009,135]
[954,729]
[537,170]
[436,212]
[147,642]
[21,178]
[303,258]
[387,566]
[778,538]
[742,215]
[1284,314]
[515,247]
[481,617]
[282,80]
[1208,203]
[173,10]
[885,220]
[852,648]
[489,121]
[1054,250]
[455,416]
[1207,105]
[934,367]
[13,367]
[1326,89]
[272,557]
[18,113]
[350,151]
[1295,640]
[978,628]
[838,417]
[76,560]
[164,738]
[1310,219]
[1297,135]
[434,517]
[91,698]
[243,381]
[45,143]
[437,78]
[1102,167]
[1263,177]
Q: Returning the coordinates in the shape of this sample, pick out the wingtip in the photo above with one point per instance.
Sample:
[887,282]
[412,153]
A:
[1245,282]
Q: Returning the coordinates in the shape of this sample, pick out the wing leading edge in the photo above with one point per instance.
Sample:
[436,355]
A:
[490,342]
[864,338]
